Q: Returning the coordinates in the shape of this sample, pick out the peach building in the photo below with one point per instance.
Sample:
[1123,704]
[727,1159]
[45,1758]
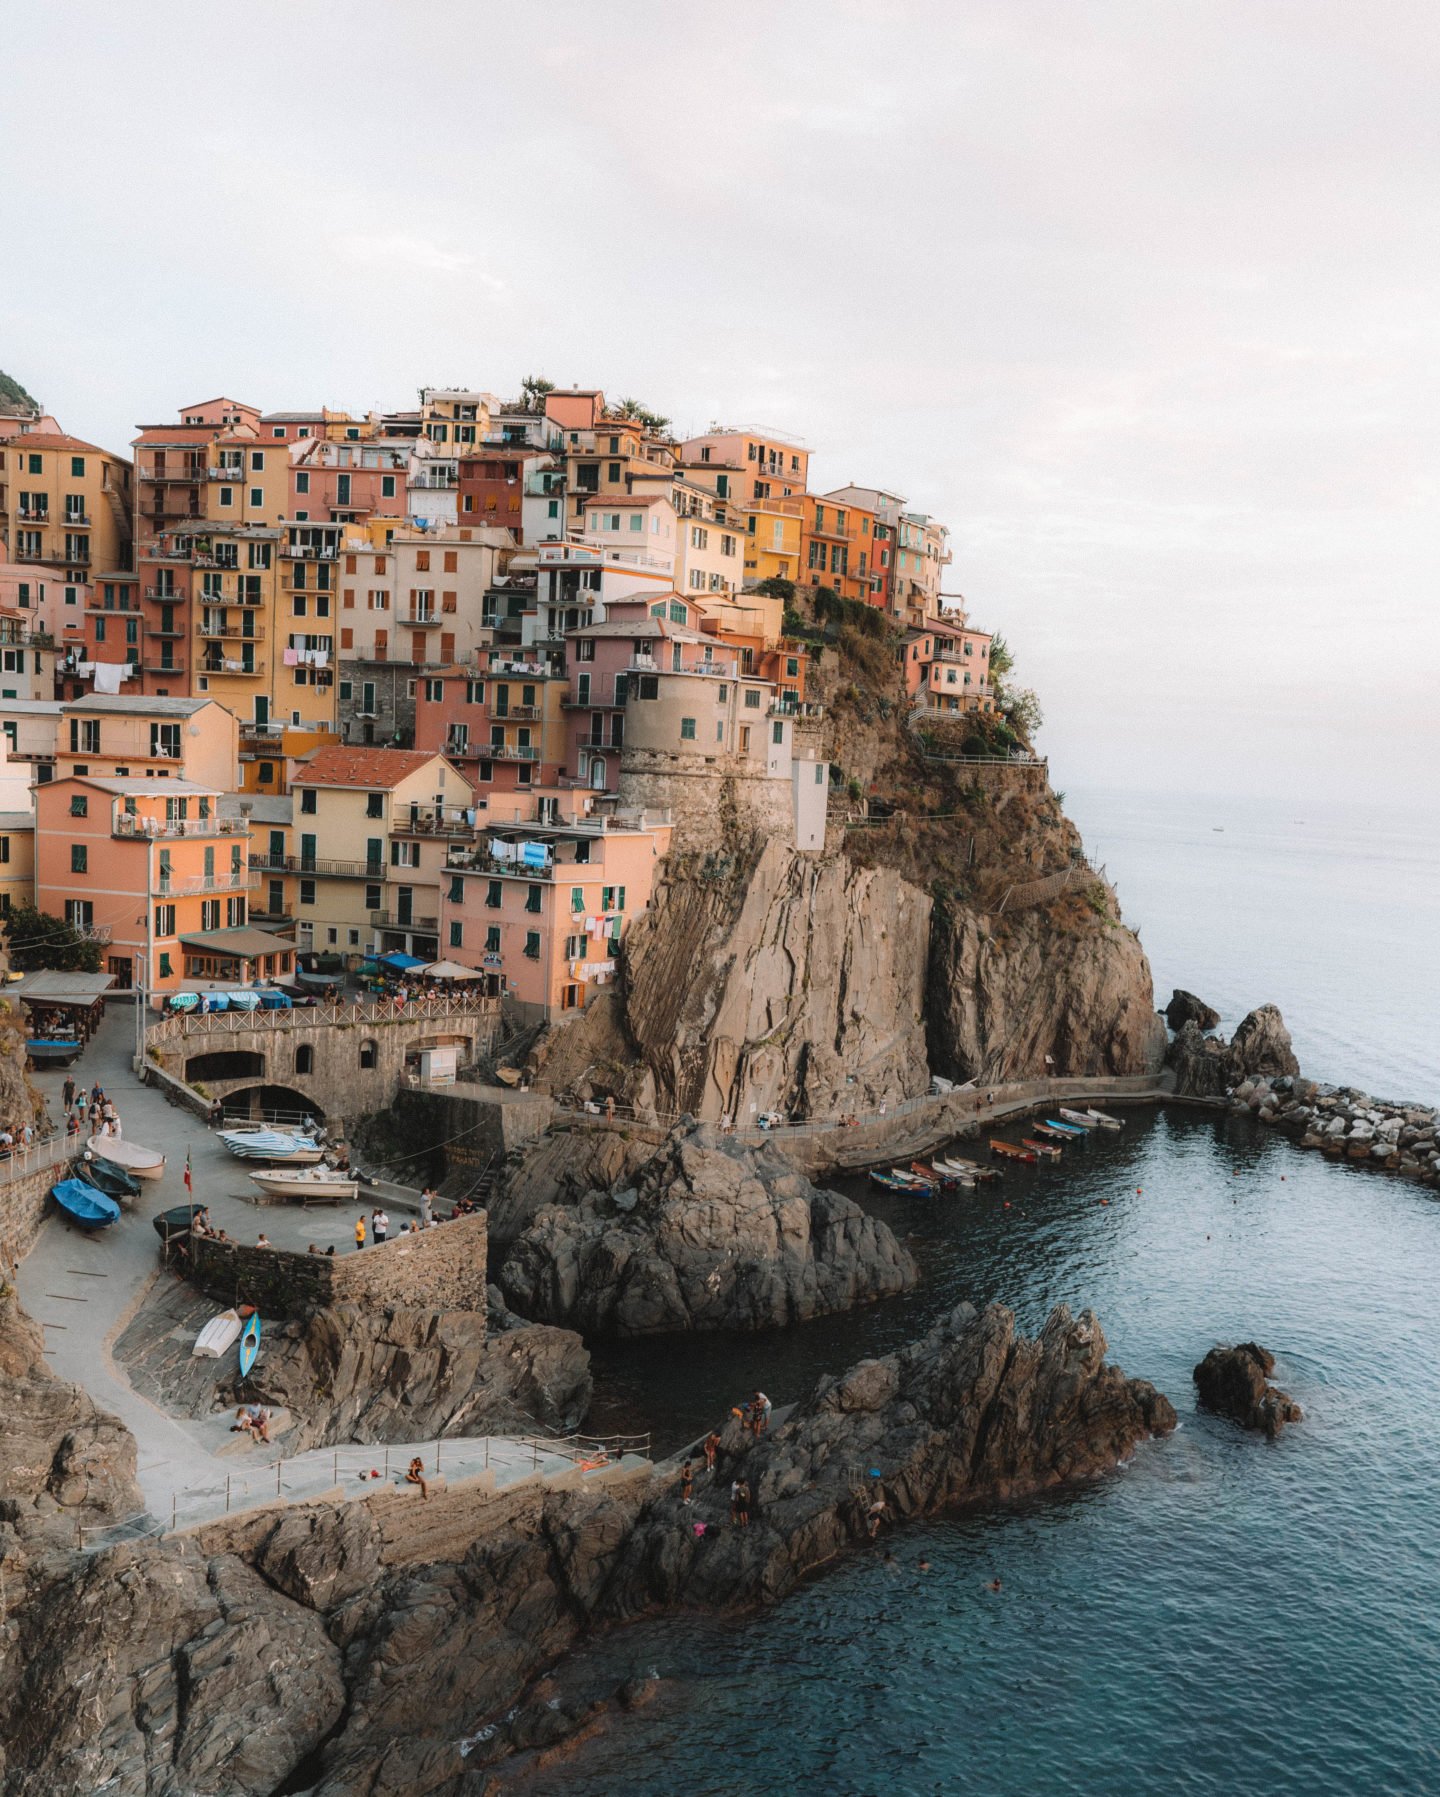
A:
[156,874]
[947,668]
[771,467]
[545,904]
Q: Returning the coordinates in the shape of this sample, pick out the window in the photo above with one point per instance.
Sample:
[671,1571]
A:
[422,561]
[777,731]
[492,940]
[368,1053]
[302,482]
[372,898]
[210,914]
[305,1059]
[307,800]
[534,896]
[493,894]
[404,854]
[79,858]
[457,933]
[687,730]
[752,698]
[532,945]
[387,486]
[374,804]
[307,892]
[819,773]
[577,898]
[79,913]
[434,691]
[79,805]
[585,649]
[227,496]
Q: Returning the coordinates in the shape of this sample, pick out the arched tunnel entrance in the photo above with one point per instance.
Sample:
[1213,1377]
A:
[225,1063]
[272,1104]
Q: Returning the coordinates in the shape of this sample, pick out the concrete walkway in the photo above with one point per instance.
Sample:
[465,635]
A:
[84,1289]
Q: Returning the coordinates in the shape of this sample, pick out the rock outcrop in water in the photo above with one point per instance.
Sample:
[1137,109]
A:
[1346,1123]
[1233,1382]
[1208,1066]
[706,1238]
[1185,1008]
[371,1642]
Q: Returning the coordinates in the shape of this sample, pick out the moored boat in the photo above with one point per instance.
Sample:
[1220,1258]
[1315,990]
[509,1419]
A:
[886,1181]
[1044,1150]
[307,1183]
[1050,1133]
[935,1176]
[1011,1151]
[1082,1119]
[1105,1121]
[138,1161]
[217,1335]
[113,1181]
[1072,1132]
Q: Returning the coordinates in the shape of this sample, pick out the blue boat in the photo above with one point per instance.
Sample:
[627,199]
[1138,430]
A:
[87,1204]
[1069,1129]
[53,1051]
[249,1343]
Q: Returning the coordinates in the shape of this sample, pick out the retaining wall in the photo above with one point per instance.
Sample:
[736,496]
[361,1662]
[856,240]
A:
[437,1269]
[22,1205]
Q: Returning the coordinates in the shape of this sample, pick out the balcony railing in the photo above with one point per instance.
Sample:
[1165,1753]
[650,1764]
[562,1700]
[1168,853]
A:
[77,520]
[796,708]
[246,670]
[720,670]
[185,473]
[248,633]
[421,620]
[161,829]
[30,514]
[318,866]
[311,552]
[435,482]
[432,823]
[187,888]
[506,752]
[224,473]
[158,630]
[403,920]
[164,595]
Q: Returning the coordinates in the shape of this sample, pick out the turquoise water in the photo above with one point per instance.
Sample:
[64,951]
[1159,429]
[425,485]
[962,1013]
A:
[1223,1615]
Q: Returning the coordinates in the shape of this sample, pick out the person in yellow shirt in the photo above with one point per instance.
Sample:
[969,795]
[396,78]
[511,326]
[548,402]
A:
[359,1232]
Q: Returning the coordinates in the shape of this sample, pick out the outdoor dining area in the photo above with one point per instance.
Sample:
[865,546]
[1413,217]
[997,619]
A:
[410,977]
[62,1012]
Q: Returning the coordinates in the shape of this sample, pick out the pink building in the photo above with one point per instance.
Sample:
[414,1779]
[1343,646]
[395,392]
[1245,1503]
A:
[947,668]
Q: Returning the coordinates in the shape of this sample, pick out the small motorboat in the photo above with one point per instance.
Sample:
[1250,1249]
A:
[1072,1132]
[113,1181]
[972,1169]
[1081,1119]
[1011,1151]
[249,1343]
[309,1184]
[85,1204]
[886,1181]
[53,1051]
[912,1183]
[1045,1151]
[1050,1133]
[960,1173]
[934,1176]
[271,1145]
[1105,1121]
[138,1162]
[218,1334]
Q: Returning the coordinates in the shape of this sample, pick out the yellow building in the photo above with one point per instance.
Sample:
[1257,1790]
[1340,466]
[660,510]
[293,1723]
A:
[774,529]
[64,507]
[17,860]
[372,829]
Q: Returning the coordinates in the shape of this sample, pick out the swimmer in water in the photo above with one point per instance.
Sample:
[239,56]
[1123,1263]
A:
[923,1564]
[994,1585]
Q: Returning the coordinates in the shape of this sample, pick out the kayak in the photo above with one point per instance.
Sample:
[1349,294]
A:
[85,1203]
[249,1343]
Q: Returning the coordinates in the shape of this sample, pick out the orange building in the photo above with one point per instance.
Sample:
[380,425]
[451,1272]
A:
[151,869]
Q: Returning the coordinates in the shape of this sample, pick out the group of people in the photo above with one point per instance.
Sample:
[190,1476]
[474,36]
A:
[92,1112]
[14,1136]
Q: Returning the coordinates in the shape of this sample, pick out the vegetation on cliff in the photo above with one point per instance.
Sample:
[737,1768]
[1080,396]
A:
[14,398]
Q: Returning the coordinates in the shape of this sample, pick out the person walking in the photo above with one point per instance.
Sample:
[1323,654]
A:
[69,1090]
[712,1444]
[687,1485]
[359,1232]
[380,1227]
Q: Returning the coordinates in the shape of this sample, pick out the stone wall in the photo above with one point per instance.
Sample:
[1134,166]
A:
[394,719]
[438,1269]
[466,1128]
[702,799]
[22,1207]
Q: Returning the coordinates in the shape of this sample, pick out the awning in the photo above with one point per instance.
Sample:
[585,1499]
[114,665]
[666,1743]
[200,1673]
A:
[450,970]
[44,987]
[400,963]
[241,943]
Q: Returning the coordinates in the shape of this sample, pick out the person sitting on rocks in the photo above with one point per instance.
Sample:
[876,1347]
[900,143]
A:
[712,1444]
[760,1408]
[687,1485]
[740,1508]
[252,1420]
[312,1249]
[875,1515]
[415,1475]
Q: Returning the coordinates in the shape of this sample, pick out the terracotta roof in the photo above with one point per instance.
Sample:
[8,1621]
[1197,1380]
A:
[373,769]
[35,440]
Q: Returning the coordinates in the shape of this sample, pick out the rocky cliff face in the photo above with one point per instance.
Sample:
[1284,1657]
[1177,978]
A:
[923,939]
[1207,1066]
[706,1238]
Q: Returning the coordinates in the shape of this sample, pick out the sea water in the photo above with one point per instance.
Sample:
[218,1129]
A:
[1222,1615]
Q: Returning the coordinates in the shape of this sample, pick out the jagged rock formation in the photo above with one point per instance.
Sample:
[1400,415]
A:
[562,1168]
[972,1412]
[350,1374]
[1185,1008]
[1343,1121]
[1208,1066]
[707,1238]
[333,1645]
[1233,1382]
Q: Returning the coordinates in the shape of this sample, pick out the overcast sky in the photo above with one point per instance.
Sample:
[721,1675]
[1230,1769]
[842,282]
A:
[1139,298]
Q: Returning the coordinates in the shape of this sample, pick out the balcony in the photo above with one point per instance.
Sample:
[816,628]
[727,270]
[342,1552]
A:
[224,473]
[227,665]
[505,752]
[716,670]
[434,482]
[796,708]
[319,867]
[311,552]
[459,745]
[164,667]
[156,630]
[77,521]
[249,632]
[165,829]
[184,474]
[432,823]
[29,514]
[421,620]
[200,883]
[404,920]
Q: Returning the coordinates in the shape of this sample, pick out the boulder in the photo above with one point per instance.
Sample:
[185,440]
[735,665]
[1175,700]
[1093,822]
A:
[1185,1008]
[717,1237]
[1262,1044]
[1233,1382]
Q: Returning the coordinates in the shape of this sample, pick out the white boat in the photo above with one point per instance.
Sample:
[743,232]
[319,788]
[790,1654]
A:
[1081,1119]
[308,1183]
[1104,1121]
[143,1163]
[218,1335]
[964,1171]
[271,1145]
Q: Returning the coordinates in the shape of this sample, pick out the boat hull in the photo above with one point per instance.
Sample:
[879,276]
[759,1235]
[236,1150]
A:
[138,1162]
[282,1185]
[85,1204]
[249,1343]
[217,1336]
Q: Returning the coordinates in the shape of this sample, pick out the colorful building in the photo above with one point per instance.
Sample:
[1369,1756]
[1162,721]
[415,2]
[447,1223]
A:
[770,467]
[149,868]
[947,668]
[500,720]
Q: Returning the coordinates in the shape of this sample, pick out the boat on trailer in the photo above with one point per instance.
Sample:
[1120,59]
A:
[1105,1120]
[1011,1151]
